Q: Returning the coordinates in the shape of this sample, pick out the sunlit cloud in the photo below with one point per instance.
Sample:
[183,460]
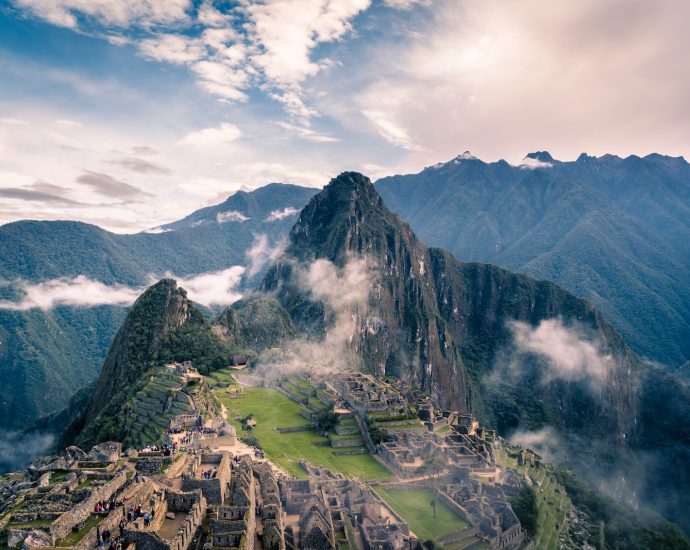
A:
[277,215]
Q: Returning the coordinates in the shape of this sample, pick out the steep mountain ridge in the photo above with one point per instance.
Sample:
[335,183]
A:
[439,323]
[445,326]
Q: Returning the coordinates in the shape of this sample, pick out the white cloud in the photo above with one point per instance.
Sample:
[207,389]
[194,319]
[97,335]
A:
[530,163]
[211,16]
[506,77]
[68,122]
[231,216]
[173,48]
[13,121]
[288,32]
[286,212]
[568,353]
[216,288]
[261,254]
[224,133]
[305,132]
[391,131]
[78,291]
[340,288]
[405,4]
[120,13]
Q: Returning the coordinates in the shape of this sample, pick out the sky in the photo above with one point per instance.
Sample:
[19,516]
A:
[133,113]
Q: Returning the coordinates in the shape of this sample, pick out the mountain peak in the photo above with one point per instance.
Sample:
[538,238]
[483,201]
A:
[543,156]
[350,182]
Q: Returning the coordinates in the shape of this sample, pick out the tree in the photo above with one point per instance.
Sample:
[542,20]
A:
[525,507]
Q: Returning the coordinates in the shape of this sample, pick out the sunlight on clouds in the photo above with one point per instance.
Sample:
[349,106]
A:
[212,137]
[119,13]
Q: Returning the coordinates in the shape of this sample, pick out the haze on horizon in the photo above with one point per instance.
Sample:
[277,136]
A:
[132,113]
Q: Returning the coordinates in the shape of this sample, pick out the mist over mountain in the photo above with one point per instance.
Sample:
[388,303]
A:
[354,287]
[442,324]
[608,229]
[611,230]
[50,348]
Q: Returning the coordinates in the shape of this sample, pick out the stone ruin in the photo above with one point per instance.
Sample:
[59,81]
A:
[365,394]
[176,522]
[233,524]
[58,494]
[214,488]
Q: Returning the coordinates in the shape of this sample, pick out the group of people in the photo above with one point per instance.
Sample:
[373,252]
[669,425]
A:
[106,505]
[208,474]
[167,449]
[136,512]
[114,543]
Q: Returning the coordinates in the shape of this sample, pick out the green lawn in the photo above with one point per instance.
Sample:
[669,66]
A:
[273,409]
[414,506]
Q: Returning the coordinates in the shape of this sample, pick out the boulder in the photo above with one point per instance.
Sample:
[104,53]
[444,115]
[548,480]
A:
[15,537]
[40,462]
[36,538]
[44,480]
[109,451]
[170,515]
[60,464]
[131,453]
[70,477]
[75,453]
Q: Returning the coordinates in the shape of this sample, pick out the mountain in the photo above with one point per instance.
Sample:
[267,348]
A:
[454,329]
[210,239]
[441,324]
[611,230]
[524,356]
[162,326]
[46,355]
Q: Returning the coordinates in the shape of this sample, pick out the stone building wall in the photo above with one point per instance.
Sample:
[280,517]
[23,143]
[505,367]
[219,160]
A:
[63,525]
[214,490]
[350,442]
[110,523]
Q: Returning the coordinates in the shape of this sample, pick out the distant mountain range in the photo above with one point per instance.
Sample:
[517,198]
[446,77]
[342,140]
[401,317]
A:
[614,231]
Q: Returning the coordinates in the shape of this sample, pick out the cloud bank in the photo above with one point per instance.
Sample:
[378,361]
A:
[277,215]
[208,289]
[231,216]
[567,353]
[78,291]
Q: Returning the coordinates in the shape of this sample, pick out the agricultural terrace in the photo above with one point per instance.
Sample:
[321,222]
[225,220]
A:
[552,501]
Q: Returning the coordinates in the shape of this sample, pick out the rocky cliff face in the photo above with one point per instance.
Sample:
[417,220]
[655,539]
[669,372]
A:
[444,325]
[256,322]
